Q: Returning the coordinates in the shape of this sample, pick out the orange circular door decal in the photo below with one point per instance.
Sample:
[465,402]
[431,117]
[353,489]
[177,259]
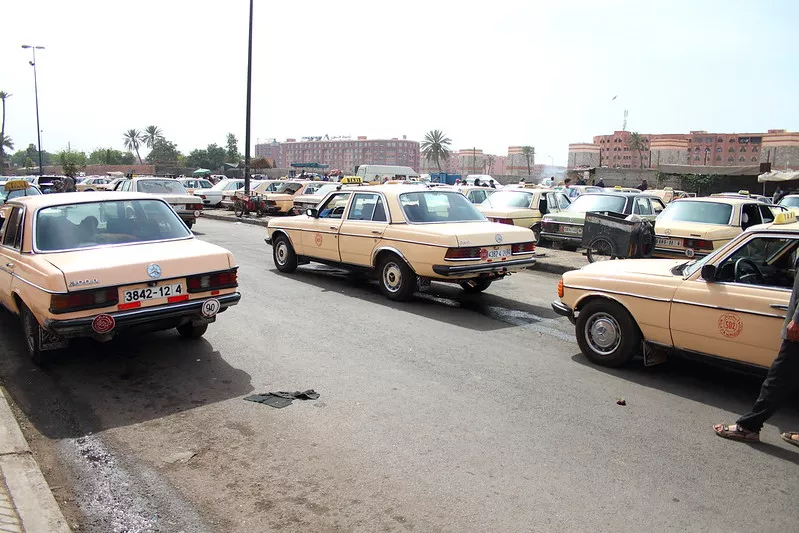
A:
[318,239]
[730,325]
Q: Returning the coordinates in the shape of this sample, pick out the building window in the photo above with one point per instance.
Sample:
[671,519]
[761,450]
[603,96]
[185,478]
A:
[754,159]
[718,149]
[742,158]
[720,140]
[718,158]
[696,149]
[732,149]
[696,158]
[754,149]
[732,140]
[730,159]
[743,149]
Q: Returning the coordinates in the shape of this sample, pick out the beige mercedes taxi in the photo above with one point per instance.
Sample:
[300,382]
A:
[92,265]
[694,227]
[523,207]
[730,305]
[406,235]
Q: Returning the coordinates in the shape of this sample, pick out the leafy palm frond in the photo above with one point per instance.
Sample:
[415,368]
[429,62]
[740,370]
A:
[6,142]
[151,135]
[435,147]
[133,139]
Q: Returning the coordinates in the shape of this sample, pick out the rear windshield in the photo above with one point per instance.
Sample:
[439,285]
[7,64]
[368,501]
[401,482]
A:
[597,202]
[74,226]
[161,187]
[792,201]
[510,199]
[289,188]
[438,206]
[702,212]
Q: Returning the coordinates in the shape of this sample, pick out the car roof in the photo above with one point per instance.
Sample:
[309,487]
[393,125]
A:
[65,198]
[622,194]
[720,200]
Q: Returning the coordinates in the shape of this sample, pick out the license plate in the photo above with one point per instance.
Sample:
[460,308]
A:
[573,230]
[180,207]
[501,253]
[153,293]
[665,241]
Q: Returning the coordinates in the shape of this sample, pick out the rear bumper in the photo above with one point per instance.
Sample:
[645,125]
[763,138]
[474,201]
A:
[563,310]
[576,240]
[168,315]
[482,268]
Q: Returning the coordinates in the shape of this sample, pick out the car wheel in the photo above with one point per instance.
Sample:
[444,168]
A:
[189,331]
[33,338]
[284,255]
[539,240]
[600,249]
[397,280]
[606,333]
[88,190]
[474,286]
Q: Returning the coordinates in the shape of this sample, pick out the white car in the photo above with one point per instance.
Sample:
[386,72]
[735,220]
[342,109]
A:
[213,197]
[187,206]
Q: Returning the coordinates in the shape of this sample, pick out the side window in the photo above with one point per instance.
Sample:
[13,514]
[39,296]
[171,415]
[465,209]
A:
[13,233]
[125,186]
[477,196]
[766,213]
[363,207]
[750,216]
[543,203]
[658,206]
[380,211]
[642,206]
[334,206]
[766,261]
[563,201]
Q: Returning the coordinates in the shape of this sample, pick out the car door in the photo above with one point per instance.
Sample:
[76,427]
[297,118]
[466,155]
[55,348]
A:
[10,247]
[738,316]
[362,229]
[321,239]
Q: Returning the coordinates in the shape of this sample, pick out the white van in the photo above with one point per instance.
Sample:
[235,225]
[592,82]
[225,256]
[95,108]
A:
[485,180]
[371,173]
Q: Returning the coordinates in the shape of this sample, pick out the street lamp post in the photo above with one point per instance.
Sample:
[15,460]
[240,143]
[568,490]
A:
[249,97]
[36,91]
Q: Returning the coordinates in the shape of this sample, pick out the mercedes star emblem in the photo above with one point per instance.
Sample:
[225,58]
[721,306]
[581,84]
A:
[154,271]
[498,238]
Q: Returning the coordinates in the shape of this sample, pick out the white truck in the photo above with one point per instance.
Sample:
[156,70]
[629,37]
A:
[379,173]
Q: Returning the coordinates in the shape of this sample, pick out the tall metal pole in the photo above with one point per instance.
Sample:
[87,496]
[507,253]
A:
[36,91]
[249,98]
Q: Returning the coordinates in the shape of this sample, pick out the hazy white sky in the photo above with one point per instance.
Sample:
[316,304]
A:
[489,74]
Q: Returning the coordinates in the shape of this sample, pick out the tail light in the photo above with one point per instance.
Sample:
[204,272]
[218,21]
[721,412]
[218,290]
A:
[560,288]
[463,253]
[523,248]
[549,226]
[202,196]
[81,300]
[502,220]
[195,207]
[212,281]
[698,244]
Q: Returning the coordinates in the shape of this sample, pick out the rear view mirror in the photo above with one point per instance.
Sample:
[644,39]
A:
[312,212]
[709,273]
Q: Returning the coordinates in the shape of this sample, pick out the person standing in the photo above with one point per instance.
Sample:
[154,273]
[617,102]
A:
[781,381]
[521,182]
[778,195]
[643,186]
[600,183]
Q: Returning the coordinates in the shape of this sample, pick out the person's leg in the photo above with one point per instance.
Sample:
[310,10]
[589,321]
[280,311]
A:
[781,381]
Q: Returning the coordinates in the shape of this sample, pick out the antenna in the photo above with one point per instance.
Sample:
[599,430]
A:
[624,125]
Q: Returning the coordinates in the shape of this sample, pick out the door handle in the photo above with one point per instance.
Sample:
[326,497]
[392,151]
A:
[779,306]
[376,232]
[333,227]
[10,265]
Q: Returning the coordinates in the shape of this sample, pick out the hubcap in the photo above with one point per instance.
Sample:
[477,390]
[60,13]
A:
[392,277]
[281,252]
[603,333]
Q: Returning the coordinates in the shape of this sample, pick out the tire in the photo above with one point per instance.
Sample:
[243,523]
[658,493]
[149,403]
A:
[396,279]
[473,286]
[32,333]
[238,209]
[600,249]
[88,190]
[607,334]
[284,256]
[190,224]
[188,331]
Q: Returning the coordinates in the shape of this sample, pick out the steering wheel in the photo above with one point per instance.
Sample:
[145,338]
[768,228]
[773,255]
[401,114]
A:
[753,276]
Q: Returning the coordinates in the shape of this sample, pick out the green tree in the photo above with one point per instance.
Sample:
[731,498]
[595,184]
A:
[151,135]
[5,142]
[529,157]
[636,143]
[212,158]
[163,151]
[19,159]
[109,156]
[133,139]
[71,162]
[435,147]
[233,155]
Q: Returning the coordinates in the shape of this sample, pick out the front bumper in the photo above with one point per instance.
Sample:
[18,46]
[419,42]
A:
[165,315]
[563,310]
[454,270]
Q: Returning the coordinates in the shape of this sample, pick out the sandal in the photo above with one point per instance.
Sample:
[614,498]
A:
[791,437]
[735,432]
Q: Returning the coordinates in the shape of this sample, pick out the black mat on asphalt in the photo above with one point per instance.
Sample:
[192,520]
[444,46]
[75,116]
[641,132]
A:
[281,399]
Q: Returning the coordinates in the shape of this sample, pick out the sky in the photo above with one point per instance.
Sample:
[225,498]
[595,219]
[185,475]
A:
[488,74]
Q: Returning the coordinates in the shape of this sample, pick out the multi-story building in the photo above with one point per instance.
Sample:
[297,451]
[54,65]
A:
[270,150]
[475,161]
[344,154]
[694,148]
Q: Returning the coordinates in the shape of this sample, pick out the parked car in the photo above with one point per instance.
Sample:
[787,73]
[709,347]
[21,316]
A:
[195,185]
[476,195]
[16,188]
[186,205]
[728,306]
[667,194]
[524,207]
[281,202]
[92,265]
[213,197]
[404,236]
[567,226]
[694,227]
[573,191]
[93,183]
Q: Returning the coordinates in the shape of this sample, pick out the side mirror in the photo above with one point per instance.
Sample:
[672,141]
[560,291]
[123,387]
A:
[709,273]
[312,212]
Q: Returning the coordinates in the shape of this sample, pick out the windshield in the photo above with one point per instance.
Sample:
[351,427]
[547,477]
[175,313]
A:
[509,199]
[222,185]
[597,202]
[161,187]
[324,189]
[791,201]
[85,225]
[438,206]
[701,212]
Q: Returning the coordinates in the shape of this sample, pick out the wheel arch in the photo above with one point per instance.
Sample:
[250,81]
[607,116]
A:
[379,253]
[282,232]
[594,297]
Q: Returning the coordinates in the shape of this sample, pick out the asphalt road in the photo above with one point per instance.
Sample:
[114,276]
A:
[447,413]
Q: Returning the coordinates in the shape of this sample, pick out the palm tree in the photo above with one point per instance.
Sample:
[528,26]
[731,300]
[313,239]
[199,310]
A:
[3,138]
[529,156]
[133,139]
[152,134]
[637,143]
[5,142]
[435,147]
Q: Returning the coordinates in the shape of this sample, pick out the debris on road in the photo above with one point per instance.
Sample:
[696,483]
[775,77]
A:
[621,401]
[180,457]
[281,399]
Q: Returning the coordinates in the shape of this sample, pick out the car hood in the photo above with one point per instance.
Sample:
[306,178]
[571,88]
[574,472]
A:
[506,212]
[566,216]
[671,228]
[651,267]
[127,264]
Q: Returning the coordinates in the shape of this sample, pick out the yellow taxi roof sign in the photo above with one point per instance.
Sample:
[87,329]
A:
[668,189]
[745,193]
[617,187]
[17,185]
[351,179]
[786,217]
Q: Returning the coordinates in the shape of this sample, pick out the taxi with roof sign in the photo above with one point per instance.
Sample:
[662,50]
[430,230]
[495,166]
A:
[303,202]
[405,236]
[16,188]
[743,194]
[668,195]
[524,207]
[728,306]
[694,227]
[92,265]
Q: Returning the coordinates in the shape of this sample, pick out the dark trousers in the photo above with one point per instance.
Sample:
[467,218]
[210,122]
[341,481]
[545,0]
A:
[782,380]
